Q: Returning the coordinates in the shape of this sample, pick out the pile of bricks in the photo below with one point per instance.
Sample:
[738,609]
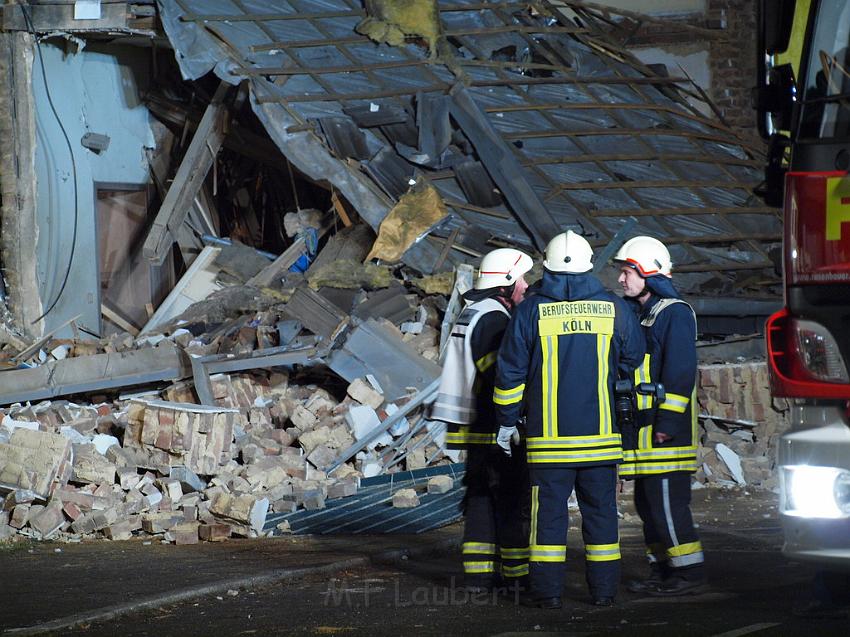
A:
[740,425]
[160,464]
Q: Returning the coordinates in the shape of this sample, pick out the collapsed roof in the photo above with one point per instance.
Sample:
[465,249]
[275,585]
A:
[525,121]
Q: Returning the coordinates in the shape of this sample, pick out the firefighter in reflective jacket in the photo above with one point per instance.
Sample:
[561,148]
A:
[558,364]
[495,538]
[666,452]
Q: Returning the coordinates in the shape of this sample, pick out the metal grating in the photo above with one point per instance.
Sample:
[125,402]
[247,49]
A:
[370,510]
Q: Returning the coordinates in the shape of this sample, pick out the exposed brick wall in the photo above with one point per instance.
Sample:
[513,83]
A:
[732,60]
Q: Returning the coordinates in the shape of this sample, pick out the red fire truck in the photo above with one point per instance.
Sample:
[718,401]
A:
[804,110]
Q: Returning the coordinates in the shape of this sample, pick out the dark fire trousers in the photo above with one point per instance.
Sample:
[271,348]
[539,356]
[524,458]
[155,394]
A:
[663,504]
[596,490]
[495,533]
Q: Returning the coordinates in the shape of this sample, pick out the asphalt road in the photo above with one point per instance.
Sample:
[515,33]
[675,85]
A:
[754,591]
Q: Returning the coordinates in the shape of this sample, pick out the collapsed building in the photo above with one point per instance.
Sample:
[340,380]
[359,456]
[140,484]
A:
[246,318]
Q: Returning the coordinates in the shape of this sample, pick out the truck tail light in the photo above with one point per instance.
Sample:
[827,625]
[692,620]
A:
[804,358]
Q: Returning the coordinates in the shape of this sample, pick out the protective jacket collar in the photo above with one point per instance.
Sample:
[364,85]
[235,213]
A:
[662,286]
[569,287]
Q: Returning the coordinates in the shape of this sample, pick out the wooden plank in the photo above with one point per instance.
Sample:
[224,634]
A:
[340,209]
[190,176]
[118,320]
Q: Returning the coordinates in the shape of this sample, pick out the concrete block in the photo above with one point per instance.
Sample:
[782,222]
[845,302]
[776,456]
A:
[363,393]
[90,467]
[35,461]
[309,440]
[405,498]
[49,519]
[20,515]
[314,500]
[321,457]
[214,532]
[119,531]
[342,489]
[128,478]
[189,480]
[186,533]
[303,418]
[245,509]
[440,484]
[161,521]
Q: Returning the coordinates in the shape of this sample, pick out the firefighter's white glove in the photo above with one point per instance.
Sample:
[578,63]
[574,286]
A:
[504,438]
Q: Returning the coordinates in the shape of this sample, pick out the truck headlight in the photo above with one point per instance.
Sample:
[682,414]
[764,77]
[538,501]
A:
[816,492]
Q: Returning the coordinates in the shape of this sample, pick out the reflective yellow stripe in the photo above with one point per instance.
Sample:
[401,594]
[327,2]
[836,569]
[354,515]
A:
[508,396]
[653,468]
[538,457]
[603,343]
[549,386]
[548,553]
[515,571]
[642,376]
[532,539]
[479,567]
[514,554]
[466,437]
[602,552]
[479,547]
[675,403]
[486,362]
[645,438]
[568,442]
[684,549]
[660,453]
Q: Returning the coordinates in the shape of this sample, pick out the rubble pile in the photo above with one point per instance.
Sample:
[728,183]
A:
[740,425]
[158,462]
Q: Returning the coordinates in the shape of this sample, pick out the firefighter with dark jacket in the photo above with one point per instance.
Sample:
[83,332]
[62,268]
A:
[666,442]
[495,537]
[557,367]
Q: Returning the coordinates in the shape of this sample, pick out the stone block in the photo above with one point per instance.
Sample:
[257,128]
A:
[415,460]
[119,531]
[362,392]
[186,533]
[405,498]
[314,500]
[342,489]
[189,480]
[440,484]
[90,467]
[245,509]
[36,461]
[47,521]
[161,521]
[20,515]
[302,418]
[321,457]
[128,478]
[214,532]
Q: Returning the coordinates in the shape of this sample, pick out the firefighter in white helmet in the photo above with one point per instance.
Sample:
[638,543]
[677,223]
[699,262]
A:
[557,366]
[495,538]
[665,444]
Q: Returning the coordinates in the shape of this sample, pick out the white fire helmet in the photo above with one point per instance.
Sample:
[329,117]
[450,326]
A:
[501,268]
[568,252]
[647,255]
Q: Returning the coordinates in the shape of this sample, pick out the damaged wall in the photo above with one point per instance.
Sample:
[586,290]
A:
[93,90]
